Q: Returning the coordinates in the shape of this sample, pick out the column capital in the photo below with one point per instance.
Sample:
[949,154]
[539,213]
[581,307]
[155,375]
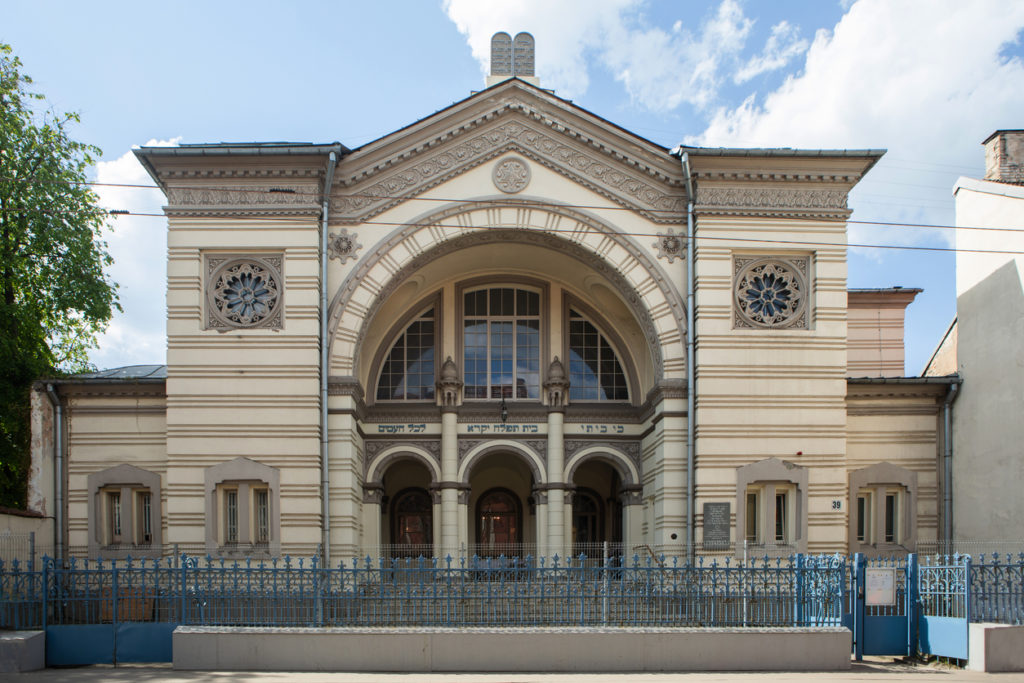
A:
[632,495]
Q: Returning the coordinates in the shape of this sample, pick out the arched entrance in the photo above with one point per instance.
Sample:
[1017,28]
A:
[501,513]
[408,510]
[596,509]
[499,523]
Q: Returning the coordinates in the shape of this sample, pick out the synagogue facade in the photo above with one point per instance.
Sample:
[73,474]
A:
[510,327]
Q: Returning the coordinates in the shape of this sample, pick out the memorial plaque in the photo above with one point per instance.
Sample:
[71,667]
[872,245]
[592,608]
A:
[716,526]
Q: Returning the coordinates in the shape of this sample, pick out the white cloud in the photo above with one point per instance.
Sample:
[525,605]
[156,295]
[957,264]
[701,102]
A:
[660,69]
[783,45]
[925,80]
[138,245]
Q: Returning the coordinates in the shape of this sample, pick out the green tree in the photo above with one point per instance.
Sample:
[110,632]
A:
[54,297]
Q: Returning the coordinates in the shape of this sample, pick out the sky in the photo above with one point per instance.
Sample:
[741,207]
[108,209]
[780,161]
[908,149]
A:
[928,80]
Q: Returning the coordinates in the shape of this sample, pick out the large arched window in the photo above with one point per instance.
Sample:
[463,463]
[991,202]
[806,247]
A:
[407,373]
[501,343]
[594,370]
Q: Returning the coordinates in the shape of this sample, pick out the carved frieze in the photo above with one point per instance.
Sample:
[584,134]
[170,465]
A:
[260,199]
[761,200]
[598,170]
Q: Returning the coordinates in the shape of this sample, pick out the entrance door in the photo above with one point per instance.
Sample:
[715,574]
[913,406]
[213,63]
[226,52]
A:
[499,523]
[587,523]
[412,530]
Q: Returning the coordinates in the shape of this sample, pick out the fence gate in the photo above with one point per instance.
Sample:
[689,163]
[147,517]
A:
[883,601]
[945,607]
[99,615]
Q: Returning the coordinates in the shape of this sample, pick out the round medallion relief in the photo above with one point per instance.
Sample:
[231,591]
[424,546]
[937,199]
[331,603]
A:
[245,293]
[770,293]
[511,175]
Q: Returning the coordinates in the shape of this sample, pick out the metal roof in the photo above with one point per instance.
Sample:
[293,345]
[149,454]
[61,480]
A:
[127,372]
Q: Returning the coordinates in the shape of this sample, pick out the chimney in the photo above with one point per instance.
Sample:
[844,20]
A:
[1004,157]
[512,58]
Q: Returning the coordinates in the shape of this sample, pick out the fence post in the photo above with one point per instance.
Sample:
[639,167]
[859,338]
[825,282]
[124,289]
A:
[801,586]
[46,592]
[32,550]
[859,565]
[967,603]
[113,608]
[913,598]
[184,589]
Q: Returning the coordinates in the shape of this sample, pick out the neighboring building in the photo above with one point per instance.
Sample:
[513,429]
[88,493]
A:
[505,334]
[985,343]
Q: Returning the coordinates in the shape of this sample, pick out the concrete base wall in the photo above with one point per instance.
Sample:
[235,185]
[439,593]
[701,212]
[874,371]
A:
[22,651]
[494,650]
[995,648]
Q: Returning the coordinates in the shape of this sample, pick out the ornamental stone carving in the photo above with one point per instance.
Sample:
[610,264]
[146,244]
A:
[244,292]
[449,387]
[511,175]
[669,245]
[343,246]
[766,200]
[603,174]
[770,292]
[557,386]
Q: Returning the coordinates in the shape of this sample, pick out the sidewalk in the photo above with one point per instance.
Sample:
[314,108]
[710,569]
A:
[877,671]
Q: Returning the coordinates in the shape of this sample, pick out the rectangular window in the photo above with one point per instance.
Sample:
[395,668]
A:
[114,511]
[145,506]
[781,521]
[751,531]
[231,516]
[891,517]
[262,505]
[863,519]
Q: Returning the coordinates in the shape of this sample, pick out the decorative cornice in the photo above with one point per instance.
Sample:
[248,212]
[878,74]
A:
[597,168]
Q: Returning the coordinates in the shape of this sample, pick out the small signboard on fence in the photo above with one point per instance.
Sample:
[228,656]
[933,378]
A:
[880,586]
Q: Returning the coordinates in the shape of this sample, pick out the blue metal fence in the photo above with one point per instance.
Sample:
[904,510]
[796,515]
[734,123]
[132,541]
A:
[96,611]
[475,592]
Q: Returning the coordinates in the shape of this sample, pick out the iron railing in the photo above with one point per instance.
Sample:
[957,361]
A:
[497,591]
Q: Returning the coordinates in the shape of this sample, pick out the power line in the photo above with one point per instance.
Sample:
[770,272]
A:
[539,203]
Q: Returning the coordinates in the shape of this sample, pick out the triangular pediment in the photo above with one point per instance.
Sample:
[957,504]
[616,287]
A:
[510,117]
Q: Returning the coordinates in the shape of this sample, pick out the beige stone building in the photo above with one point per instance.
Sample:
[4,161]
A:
[511,326]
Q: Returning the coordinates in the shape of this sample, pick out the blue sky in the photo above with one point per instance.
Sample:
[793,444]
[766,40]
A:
[926,80]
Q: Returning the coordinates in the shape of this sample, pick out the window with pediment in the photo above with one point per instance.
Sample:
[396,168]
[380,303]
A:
[407,373]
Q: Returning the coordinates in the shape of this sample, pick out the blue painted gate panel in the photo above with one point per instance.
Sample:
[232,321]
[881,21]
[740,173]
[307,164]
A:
[944,636]
[79,644]
[885,635]
[144,642]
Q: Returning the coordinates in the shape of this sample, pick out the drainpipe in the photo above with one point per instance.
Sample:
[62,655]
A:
[58,474]
[947,459]
[691,371]
[325,477]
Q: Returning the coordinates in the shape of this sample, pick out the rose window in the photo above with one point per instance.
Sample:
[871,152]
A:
[245,293]
[769,293]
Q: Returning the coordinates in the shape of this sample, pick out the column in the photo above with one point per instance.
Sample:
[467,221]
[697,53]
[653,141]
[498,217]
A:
[449,390]
[632,498]
[556,389]
[449,485]
[371,541]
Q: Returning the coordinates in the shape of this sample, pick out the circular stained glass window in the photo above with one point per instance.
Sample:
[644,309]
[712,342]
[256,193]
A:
[245,293]
[769,293]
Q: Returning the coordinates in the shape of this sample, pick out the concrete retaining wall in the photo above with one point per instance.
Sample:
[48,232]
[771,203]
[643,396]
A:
[22,651]
[995,648]
[535,649]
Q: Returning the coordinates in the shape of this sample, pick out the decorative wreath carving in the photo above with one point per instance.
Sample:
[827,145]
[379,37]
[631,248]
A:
[770,292]
[244,292]
[511,175]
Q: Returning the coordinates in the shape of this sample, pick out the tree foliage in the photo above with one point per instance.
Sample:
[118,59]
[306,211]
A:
[54,297]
